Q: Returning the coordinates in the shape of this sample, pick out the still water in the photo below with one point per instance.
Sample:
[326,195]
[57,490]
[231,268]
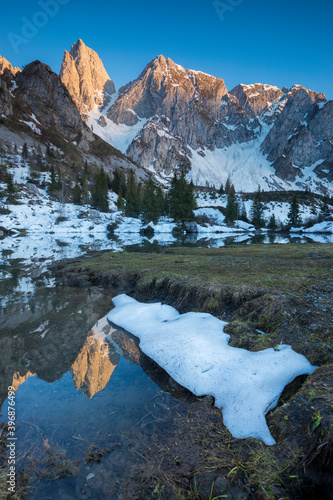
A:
[87,400]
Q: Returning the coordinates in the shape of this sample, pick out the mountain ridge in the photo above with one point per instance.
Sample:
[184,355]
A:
[172,118]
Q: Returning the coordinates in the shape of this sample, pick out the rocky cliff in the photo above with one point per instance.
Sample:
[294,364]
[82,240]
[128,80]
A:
[84,75]
[37,108]
[41,91]
[171,118]
[4,64]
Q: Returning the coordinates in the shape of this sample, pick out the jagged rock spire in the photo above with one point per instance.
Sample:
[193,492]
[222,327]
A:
[85,77]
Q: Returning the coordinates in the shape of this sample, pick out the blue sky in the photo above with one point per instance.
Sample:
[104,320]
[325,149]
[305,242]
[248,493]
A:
[280,43]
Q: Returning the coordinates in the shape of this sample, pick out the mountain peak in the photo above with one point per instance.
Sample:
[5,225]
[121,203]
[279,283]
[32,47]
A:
[4,64]
[85,77]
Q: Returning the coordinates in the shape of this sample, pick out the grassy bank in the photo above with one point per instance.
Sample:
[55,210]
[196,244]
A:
[283,290]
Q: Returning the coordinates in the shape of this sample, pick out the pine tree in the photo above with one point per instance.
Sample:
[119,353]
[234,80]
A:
[86,170]
[25,152]
[257,210]
[231,209]
[49,152]
[324,209]
[293,214]
[242,212]
[132,196]
[10,186]
[53,185]
[118,181]
[181,198]
[77,194]
[272,223]
[85,194]
[120,201]
[161,201]
[227,186]
[39,157]
[150,202]
[221,190]
[100,192]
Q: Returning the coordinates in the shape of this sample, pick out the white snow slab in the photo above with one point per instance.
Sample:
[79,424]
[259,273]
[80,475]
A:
[212,213]
[321,227]
[194,350]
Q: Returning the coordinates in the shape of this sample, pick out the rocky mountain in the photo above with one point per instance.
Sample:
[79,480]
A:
[4,64]
[171,118]
[92,369]
[37,108]
[84,75]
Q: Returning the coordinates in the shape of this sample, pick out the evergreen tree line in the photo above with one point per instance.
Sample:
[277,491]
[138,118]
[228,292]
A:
[148,201]
[235,210]
[98,195]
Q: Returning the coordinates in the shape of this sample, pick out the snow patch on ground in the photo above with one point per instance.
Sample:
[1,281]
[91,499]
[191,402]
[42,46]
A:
[193,349]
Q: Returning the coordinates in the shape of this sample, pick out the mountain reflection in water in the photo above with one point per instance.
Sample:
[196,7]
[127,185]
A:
[78,386]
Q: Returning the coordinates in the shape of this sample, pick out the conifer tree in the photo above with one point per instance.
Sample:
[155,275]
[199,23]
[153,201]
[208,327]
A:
[150,202]
[10,186]
[49,152]
[39,157]
[161,201]
[242,212]
[181,198]
[272,223]
[85,194]
[227,186]
[118,181]
[132,196]
[257,210]
[120,201]
[324,209]
[53,185]
[25,152]
[77,194]
[231,209]
[100,192]
[293,214]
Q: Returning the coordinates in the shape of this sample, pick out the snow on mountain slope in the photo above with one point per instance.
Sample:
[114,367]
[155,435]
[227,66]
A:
[120,136]
[171,118]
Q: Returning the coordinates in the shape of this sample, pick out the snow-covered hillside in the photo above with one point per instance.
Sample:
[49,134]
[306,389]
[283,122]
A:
[39,229]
